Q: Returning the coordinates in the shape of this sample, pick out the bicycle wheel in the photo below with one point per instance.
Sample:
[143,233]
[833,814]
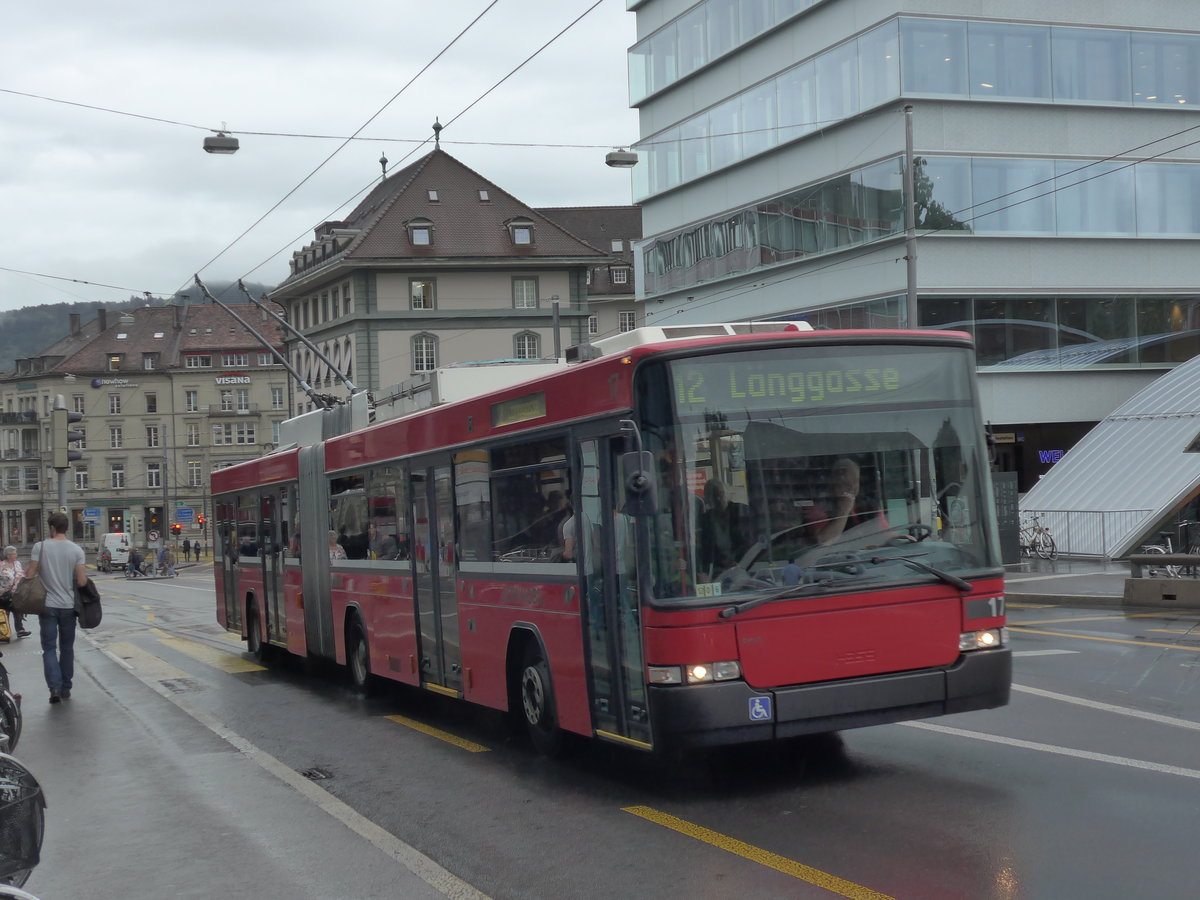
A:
[1157,571]
[1044,544]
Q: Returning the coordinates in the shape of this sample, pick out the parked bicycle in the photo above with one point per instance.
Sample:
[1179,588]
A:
[1036,538]
[1167,545]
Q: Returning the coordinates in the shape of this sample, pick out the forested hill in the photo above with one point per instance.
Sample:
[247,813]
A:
[29,330]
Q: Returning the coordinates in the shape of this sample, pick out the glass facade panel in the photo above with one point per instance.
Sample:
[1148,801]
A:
[1168,329]
[1019,196]
[797,102]
[1166,69]
[725,130]
[837,84]
[760,119]
[1010,61]
[1009,327]
[690,38]
[879,65]
[1090,64]
[1094,199]
[933,57]
[1167,194]
[942,185]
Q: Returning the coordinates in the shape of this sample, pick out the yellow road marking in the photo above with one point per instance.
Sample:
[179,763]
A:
[218,659]
[446,736]
[757,854]
[1068,620]
[145,664]
[1088,637]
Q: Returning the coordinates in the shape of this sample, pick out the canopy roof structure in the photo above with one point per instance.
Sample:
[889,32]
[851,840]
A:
[1112,490]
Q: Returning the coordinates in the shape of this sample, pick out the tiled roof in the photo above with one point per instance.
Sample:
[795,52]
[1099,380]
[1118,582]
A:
[601,225]
[168,330]
[464,226]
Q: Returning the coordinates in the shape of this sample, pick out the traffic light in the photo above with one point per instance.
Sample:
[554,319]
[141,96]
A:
[62,434]
[176,528]
[200,520]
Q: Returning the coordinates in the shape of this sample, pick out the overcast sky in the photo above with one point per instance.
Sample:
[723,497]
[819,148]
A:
[136,204]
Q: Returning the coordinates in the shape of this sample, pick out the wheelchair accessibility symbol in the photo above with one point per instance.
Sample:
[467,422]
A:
[760,709]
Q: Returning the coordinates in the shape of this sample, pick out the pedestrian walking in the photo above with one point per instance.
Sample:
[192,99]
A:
[11,572]
[187,549]
[196,550]
[59,562]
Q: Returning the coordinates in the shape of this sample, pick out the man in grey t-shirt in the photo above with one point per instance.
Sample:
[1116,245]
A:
[60,564]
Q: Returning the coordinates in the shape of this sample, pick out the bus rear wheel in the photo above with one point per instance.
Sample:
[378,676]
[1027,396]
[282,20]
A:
[537,703]
[358,657]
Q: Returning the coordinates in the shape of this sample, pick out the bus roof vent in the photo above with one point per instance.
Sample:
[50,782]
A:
[653,334]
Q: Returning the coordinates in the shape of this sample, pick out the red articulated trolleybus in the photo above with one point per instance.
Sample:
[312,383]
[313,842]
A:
[694,536]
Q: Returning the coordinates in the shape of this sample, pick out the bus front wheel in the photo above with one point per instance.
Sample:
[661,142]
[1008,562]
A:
[537,703]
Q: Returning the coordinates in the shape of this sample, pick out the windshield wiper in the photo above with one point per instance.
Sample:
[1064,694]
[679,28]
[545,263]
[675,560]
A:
[795,590]
[960,583]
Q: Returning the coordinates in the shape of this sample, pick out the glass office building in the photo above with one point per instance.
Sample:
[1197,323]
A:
[1056,185]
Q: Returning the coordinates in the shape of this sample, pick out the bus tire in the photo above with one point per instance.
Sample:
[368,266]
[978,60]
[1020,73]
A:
[358,656]
[537,702]
[255,645]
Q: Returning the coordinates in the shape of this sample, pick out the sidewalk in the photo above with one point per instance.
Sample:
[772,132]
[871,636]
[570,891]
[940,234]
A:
[1081,582]
[144,802]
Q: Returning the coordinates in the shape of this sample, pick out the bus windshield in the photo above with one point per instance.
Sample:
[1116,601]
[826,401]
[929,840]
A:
[824,468]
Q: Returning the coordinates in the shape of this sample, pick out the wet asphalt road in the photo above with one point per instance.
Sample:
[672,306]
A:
[1086,786]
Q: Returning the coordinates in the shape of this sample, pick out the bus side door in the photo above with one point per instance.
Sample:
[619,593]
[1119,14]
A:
[435,575]
[613,619]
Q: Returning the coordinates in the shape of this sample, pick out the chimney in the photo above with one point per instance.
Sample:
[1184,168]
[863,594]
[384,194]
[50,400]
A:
[102,320]
[73,318]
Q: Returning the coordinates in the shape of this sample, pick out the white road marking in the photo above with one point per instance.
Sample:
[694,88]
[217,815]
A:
[1110,707]
[1042,652]
[1060,751]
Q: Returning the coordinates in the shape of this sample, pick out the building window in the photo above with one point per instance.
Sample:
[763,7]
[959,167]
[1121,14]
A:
[276,398]
[620,276]
[420,232]
[423,293]
[154,475]
[483,196]
[195,477]
[78,403]
[191,401]
[198,361]
[424,353]
[521,232]
[266,359]
[115,361]
[193,434]
[12,479]
[235,360]
[152,436]
[627,320]
[116,476]
[31,478]
[525,293]
[116,437]
[149,361]
[234,433]
[151,402]
[347,301]
[82,442]
[526,345]
[617,246]
[432,195]
[593,325]
[114,404]
[81,477]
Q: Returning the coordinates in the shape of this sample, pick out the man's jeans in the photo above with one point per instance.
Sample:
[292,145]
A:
[58,647]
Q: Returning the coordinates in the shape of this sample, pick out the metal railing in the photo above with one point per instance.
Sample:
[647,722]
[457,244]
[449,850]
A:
[1089,533]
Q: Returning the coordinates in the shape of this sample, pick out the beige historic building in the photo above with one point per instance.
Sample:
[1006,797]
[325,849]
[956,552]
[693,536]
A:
[167,394]
[438,266]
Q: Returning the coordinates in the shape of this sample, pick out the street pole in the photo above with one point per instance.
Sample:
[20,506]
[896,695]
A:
[910,222]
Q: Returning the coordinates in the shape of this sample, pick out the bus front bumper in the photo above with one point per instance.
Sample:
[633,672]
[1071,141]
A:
[732,712]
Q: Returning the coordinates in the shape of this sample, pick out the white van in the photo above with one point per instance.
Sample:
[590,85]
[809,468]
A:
[117,544]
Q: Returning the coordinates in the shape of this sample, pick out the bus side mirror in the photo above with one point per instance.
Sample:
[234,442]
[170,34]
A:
[641,491]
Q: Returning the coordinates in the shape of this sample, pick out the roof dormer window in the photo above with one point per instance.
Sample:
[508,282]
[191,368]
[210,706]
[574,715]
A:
[433,196]
[483,196]
[420,232]
[521,232]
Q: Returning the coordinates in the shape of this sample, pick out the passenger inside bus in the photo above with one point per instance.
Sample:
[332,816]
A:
[843,507]
[725,530]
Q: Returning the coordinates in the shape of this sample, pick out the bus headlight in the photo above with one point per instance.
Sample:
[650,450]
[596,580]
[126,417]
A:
[982,640]
[699,673]
[696,673]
